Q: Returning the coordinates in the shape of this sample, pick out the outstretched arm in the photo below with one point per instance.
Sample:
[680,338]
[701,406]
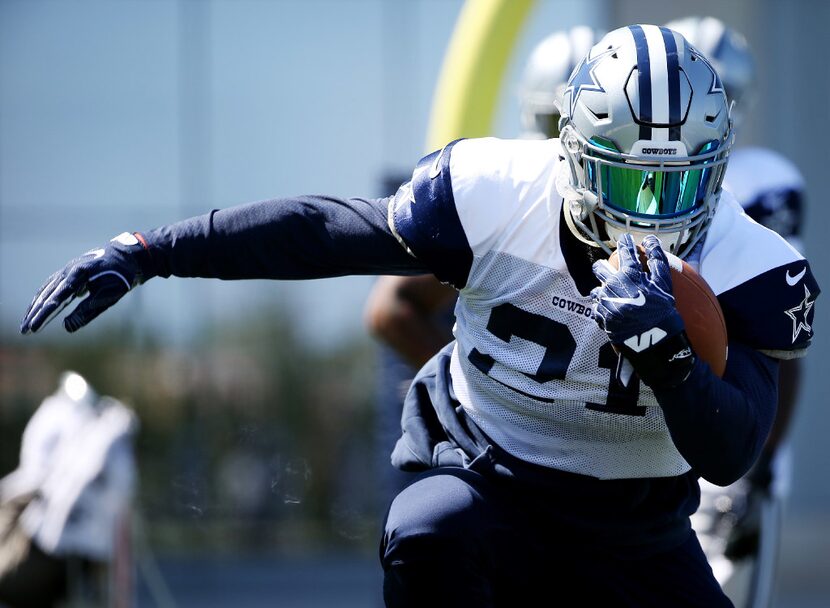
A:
[307,237]
[298,238]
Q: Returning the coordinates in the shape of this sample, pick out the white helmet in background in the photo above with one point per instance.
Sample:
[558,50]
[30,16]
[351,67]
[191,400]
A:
[646,131]
[727,51]
[544,78]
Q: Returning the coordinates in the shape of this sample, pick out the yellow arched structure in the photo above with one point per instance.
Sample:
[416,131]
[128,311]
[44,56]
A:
[479,52]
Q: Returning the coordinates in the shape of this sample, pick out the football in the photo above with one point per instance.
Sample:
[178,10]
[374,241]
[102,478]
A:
[698,307]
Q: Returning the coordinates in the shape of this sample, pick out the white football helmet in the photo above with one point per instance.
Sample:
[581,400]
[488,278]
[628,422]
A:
[545,76]
[646,130]
[727,51]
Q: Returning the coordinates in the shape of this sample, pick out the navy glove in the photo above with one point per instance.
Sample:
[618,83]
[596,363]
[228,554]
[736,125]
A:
[636,309]
[106,274]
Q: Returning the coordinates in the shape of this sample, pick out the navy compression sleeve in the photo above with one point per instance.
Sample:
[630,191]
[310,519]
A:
[306,237]
[720,425]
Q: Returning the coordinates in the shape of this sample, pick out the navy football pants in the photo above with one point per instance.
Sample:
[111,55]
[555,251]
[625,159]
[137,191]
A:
[454,538]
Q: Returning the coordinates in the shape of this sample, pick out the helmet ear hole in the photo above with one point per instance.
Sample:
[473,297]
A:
[571,143]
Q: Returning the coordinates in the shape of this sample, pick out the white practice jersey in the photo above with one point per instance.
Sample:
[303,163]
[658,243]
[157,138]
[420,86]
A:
[530,366]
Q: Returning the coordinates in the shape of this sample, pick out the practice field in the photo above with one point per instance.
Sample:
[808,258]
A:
[341,581]
[354,581]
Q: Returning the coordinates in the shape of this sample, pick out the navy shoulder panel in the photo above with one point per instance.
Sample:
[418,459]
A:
[774,310]
[426,219]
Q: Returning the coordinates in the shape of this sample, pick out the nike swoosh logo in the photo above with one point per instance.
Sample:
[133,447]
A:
[791,281]
[638,301]
[435,169]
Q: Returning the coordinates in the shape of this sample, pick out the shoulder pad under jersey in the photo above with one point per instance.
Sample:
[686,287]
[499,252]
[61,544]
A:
[462,198]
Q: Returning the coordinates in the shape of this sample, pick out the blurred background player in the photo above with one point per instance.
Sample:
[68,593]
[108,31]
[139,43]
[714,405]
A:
[739,526]
[412,316]
[65,511]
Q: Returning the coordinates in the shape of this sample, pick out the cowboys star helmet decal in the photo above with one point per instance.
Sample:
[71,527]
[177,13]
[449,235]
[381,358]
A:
[584,79]
[717,85]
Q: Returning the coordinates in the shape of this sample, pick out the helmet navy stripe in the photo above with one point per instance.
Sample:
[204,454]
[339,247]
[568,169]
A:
[643,80]
[674,83]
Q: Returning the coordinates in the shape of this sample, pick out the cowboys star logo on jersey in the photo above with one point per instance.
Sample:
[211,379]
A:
[799,314]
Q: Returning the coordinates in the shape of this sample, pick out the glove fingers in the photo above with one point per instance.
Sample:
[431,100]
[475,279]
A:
[658,263]
[603,270]
[104,291]
[40,296]
[627,251]
[54,298]
[107,272]
[40,323]
[651,243]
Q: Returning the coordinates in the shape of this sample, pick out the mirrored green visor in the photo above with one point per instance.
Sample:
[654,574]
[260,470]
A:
[654,191]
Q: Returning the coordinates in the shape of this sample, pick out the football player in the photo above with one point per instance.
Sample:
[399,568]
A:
[542,473]
[412,315]
[65,510]
[739,526]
